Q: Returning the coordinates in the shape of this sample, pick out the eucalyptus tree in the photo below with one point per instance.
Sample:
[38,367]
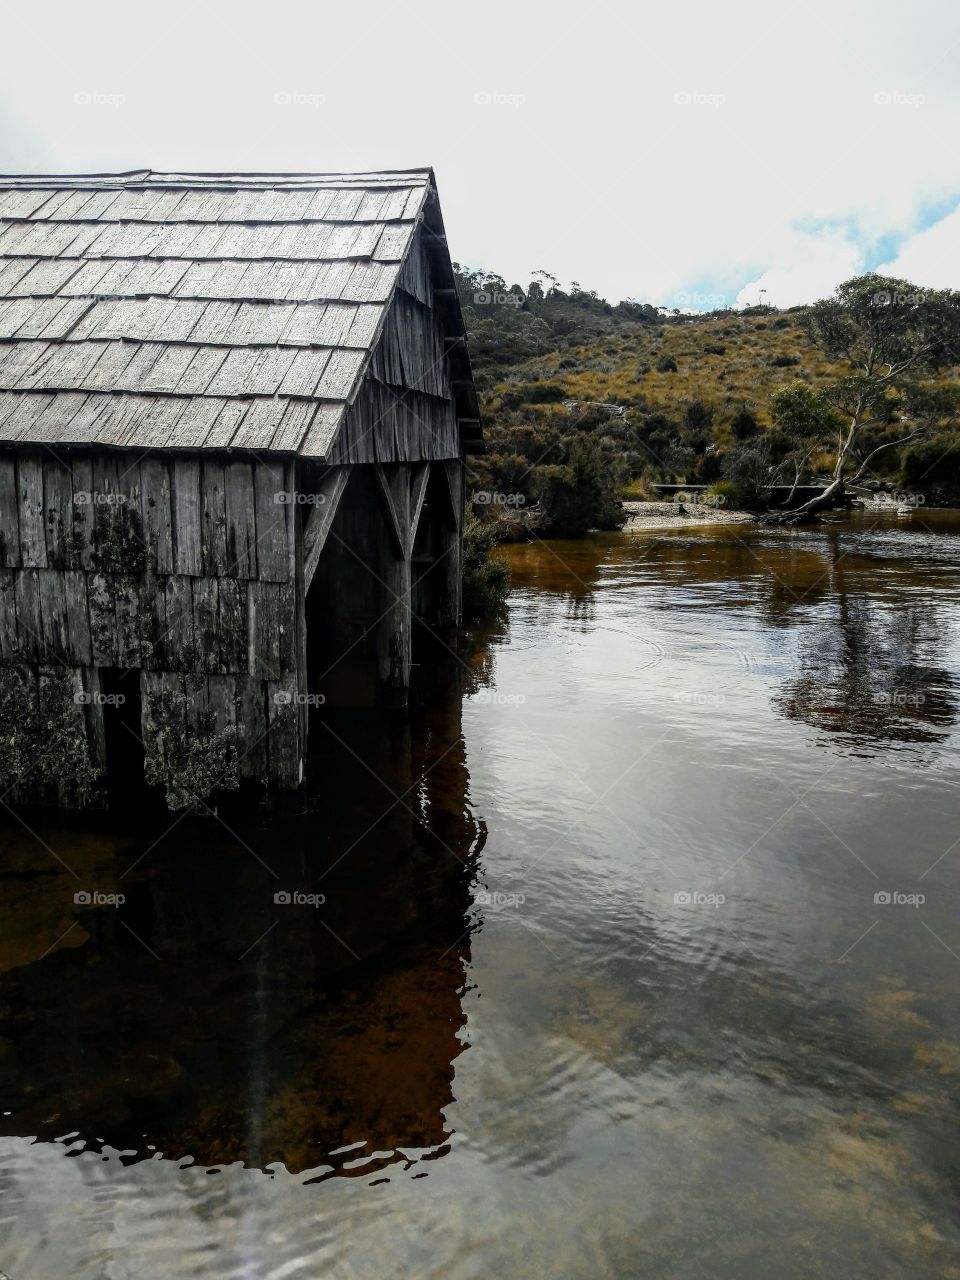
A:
[890,336]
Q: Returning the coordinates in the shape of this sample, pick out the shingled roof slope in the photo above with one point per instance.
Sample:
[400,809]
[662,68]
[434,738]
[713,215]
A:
[195,311]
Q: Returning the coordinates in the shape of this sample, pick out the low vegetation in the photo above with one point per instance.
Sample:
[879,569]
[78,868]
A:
[585,402]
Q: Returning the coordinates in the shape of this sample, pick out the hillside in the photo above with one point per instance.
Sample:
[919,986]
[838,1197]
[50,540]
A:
[695,393]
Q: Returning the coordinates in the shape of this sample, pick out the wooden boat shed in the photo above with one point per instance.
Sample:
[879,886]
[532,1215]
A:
[234,410]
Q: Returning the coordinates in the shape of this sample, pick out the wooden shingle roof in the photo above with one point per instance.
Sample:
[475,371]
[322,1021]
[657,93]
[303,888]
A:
[196,310]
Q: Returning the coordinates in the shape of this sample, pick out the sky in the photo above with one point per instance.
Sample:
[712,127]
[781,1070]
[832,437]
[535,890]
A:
[692,155]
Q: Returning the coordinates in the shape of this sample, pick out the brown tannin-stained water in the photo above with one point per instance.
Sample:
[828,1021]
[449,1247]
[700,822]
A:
[638,954]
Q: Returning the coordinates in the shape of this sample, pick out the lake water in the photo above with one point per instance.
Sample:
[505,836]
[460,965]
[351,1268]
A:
[638,954]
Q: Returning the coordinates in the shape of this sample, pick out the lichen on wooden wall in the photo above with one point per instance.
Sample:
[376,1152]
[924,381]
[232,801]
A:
[119,545]
[44,746]
[186,753]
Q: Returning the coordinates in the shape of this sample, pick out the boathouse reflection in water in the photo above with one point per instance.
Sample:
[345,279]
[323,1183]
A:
[267,992]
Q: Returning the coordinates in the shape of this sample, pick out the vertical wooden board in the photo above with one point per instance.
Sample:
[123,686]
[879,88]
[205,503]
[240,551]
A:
[214,519]
[151,687]
[29,624]
[233,625]
[265,633]
[9,517]
[294,513]
[282,732]
[287,645]
[453,469]
[205,625]
[251,727]
[198,700]
[128,605]
[272,500]
[185,496]
[223,694]
[102,606]
[58,513]
[179,645]
[33,541]
[9,651]
[93,710]
[153,623]
[156,513]
[241,523]
[300,625]
[27,698]
[53,615]
[154,686]
[84,512]
[134,554]
[79,649]
[106,499]
[52,710]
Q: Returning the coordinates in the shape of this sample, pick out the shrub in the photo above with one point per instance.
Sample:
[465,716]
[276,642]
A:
[709,467]
[936,460]
[727,491]
[581,494]
[747,468]
[784,362]
[486,580]
[666,364]
[744,424]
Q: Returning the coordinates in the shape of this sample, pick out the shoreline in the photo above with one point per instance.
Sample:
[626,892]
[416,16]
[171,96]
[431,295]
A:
[664,515]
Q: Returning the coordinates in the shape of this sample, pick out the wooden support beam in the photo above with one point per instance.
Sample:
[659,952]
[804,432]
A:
[453,470]
[452,604]
[395,494]
[317,527]
[418,492]
[395,627]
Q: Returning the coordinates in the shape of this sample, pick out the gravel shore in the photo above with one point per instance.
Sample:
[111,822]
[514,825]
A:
[664,515]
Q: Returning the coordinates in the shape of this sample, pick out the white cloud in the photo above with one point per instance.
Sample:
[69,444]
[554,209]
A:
[931,257]
[807,267]
[640,150]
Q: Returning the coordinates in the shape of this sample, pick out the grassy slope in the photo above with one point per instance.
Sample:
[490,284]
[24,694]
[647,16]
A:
[578,347]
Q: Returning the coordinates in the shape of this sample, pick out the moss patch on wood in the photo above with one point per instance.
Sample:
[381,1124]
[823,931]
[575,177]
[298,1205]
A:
[44,750]
[119,543]
[186,753]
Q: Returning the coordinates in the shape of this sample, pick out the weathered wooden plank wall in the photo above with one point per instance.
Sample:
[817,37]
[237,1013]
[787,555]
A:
[405,409]
[171,565]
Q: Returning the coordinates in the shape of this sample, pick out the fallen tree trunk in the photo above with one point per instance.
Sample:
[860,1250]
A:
[809,511]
